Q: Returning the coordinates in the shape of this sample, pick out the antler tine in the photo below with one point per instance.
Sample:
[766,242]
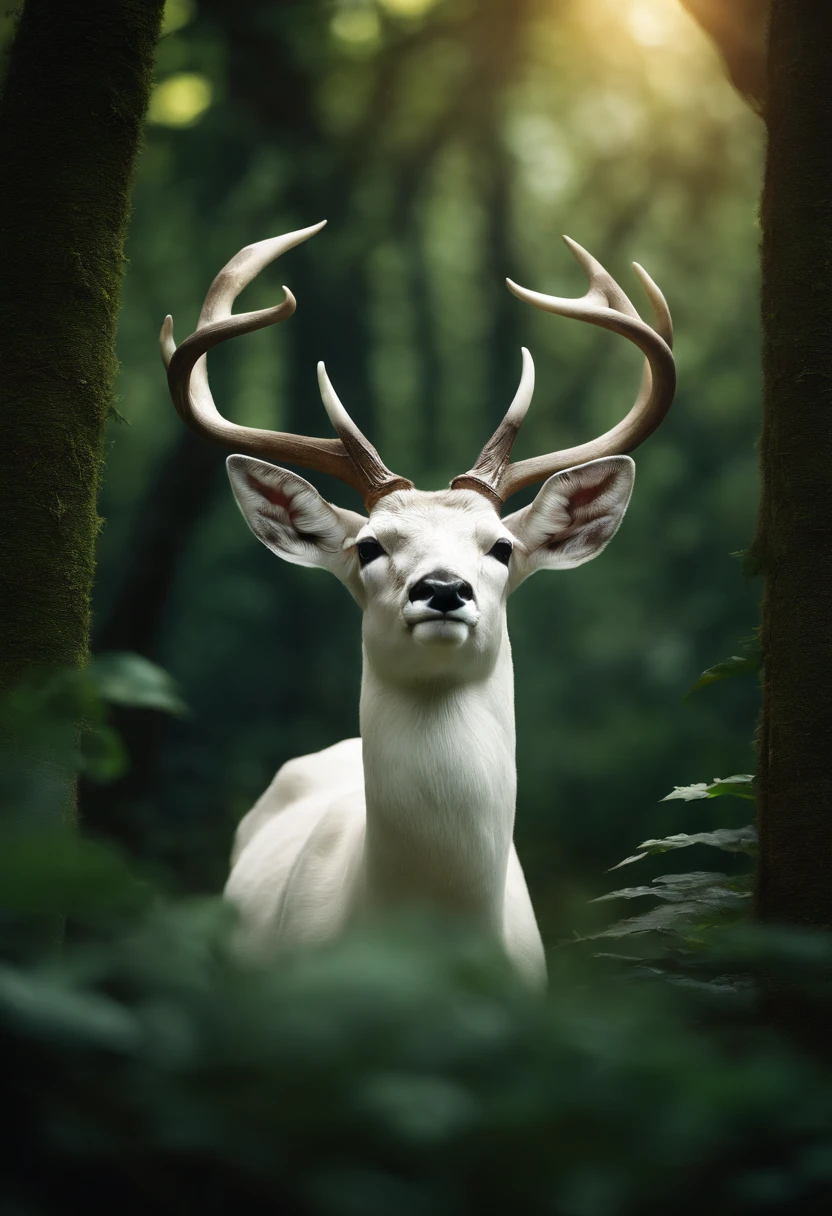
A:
[378,479]
[351,458]
[607,306]
[490,467]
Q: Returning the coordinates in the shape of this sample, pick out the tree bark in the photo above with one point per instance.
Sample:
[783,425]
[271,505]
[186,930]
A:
[75,95]
[794,541]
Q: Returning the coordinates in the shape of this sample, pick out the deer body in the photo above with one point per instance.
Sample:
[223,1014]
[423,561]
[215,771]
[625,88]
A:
[301,877]
[421,808]
[423,813]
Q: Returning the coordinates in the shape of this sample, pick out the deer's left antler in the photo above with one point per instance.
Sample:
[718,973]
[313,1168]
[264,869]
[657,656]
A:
[605,305]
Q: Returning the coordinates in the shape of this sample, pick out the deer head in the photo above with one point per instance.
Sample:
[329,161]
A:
[431,571]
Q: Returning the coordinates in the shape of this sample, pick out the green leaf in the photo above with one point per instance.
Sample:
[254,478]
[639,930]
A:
[693,880]
[674,888]
[103,756]
[672,917]
[625,893]
[731,840]
[45,1006]
[622,958]
[736,665]
[738,786]
[59,871]
[124,678]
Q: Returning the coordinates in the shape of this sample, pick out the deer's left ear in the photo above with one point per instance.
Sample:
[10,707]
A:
[574,516]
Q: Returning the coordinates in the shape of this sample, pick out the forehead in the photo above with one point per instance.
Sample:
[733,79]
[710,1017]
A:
[411,513]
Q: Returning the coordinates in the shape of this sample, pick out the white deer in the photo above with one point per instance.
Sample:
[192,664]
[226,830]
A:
[421,807]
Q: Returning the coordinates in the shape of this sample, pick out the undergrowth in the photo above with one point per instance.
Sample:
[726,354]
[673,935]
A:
[404,1070]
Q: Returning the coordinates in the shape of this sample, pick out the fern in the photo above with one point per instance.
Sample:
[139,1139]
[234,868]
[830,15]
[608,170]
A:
[691,905]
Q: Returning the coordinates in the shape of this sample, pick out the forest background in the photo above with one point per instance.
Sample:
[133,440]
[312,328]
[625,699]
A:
[405,1068]
[448,143]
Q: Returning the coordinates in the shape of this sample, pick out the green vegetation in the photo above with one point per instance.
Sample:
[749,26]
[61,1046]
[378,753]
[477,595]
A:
[406,1070]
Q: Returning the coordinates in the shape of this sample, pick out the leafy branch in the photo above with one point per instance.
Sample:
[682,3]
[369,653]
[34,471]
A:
[735,665]
[693,902]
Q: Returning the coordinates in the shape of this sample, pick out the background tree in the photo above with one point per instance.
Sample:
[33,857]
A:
[783,75]
[75,94]
[794,540]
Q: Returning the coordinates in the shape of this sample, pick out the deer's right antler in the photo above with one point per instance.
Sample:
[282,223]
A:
[351,458]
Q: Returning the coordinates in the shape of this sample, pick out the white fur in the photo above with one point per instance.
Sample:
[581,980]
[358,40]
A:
[421,808]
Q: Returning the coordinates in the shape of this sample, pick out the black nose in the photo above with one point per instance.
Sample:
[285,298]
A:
[442,592]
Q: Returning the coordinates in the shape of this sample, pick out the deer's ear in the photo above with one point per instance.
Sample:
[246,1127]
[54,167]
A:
[291,518]
[574,516]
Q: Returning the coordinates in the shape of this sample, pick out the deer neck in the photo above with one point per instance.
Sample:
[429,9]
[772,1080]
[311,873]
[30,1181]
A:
[440,782]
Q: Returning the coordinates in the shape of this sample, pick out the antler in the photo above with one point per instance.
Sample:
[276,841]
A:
[605,305]
[350,458]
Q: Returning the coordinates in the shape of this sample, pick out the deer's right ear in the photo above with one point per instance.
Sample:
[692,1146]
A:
[291,518]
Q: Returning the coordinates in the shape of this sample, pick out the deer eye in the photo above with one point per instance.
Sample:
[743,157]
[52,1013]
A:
[502,551]
[368,551]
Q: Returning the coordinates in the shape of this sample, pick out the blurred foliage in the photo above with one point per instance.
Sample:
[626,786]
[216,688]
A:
[401,1071]
[58,726]
[131,680]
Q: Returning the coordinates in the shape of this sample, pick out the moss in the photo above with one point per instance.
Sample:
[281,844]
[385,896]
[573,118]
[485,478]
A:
[75,95]
[794,541]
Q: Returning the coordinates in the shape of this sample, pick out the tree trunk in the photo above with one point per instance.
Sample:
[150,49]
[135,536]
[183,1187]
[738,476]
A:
[70,120]
[794,540]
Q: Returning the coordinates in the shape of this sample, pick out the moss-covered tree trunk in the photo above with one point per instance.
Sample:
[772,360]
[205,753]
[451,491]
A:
[794,542]
[74,99]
